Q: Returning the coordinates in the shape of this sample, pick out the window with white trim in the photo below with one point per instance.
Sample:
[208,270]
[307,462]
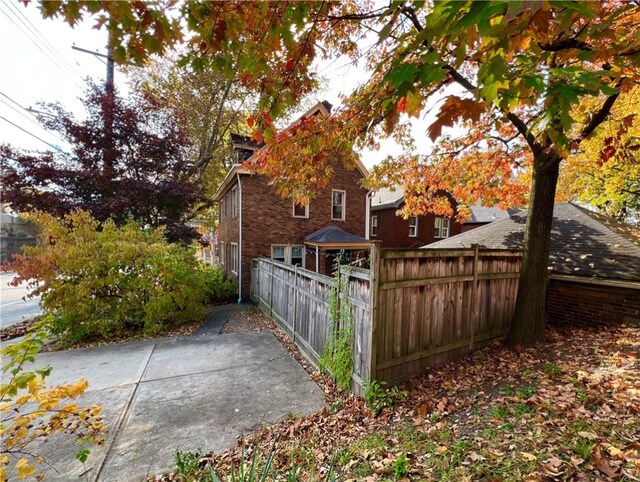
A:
[374,226]
[338,205]
[441,228]
[288,254]
[300,211]
[413,226]
[234,202]
[221,254]
[233,255]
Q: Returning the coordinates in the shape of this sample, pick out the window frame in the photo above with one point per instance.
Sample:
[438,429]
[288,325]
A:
[234,202]
[374,226]
[343,204]
[306,211]
[288,253]
[442,229]
[221,253]
[234,259]
[413,227]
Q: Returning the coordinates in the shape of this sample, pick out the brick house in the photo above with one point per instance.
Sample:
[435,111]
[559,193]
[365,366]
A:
[594,263]
[255,222]
[397,232]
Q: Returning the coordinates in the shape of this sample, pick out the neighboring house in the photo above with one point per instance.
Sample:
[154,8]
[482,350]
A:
[255,221]
[15,232]
[481,215]
[594,263]
[396,232]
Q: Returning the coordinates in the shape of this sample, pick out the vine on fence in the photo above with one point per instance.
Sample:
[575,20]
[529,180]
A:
[337,357]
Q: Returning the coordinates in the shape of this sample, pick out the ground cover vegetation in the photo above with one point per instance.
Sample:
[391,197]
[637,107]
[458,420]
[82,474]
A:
[565,409]
[530,82]
[100,280]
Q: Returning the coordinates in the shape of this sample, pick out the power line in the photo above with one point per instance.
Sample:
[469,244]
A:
[30,119]
[48,56]
[27,23]
[33,135]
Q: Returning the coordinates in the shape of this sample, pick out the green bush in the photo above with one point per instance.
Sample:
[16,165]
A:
[220,289]
[98,279]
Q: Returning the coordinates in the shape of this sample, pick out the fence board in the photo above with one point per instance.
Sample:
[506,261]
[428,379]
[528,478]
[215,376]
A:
[438,305]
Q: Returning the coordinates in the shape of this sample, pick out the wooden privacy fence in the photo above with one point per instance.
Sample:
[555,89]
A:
[298,300]
[434,305]
[413,309]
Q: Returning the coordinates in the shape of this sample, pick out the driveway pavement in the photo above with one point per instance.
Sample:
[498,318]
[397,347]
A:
[13,308]
[203,391]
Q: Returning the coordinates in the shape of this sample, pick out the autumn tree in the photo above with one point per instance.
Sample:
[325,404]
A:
[139,170]
[605,170]
[513,73]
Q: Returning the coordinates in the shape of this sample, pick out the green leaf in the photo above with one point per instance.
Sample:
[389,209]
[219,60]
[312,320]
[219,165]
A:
[82,455]
[404,73]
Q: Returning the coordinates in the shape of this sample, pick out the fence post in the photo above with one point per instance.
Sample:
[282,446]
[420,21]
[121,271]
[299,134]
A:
[295,302]
[271,290]
[474,315]
[374,294]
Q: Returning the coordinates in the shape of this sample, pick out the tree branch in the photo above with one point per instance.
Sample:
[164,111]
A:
[599,117]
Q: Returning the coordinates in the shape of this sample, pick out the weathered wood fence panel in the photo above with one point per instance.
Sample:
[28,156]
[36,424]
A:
[298,300]
[414,309]
[436,305]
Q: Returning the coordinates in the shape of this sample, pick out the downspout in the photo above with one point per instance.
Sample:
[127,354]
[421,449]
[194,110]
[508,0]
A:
[239,239]
[367,211]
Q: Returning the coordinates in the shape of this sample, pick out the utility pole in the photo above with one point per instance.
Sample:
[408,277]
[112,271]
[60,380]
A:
[107,112]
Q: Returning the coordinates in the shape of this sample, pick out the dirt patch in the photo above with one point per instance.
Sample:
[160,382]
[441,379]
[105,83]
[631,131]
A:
[17,329]
[245,321]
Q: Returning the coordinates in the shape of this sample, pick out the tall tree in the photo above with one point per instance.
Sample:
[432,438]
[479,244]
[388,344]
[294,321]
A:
[520,70]
[139,169]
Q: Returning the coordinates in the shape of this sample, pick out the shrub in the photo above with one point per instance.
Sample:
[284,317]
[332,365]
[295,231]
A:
[220,289]
[98,279]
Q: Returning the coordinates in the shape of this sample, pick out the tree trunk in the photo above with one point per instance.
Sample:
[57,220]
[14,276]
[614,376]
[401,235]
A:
[529,318]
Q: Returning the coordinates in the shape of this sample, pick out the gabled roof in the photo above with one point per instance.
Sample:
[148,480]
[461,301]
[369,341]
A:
[583,243]
[238,140]
[333,236]
[323,108]
[488,214]
[387,198]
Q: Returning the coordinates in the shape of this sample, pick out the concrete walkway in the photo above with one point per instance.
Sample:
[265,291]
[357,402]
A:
[203,391]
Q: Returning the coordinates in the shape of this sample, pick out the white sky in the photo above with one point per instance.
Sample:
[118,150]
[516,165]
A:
[40,65]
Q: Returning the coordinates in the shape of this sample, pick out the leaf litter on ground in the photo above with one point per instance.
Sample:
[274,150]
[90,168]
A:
[565,409]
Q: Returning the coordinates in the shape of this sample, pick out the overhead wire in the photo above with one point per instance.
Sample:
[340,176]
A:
[30,119]
[33,135]
[48,56]
[27,23]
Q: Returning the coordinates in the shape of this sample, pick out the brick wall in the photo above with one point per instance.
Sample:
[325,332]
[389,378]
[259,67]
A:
[393,230]
[591,305]
[268,218]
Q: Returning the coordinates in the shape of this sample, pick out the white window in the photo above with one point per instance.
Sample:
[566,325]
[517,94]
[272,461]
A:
[337,205]
[413,226]
[374,225]
[234,258]
[221,254]
[442,228]
[300,211]
[278,253]
[288,254]
[234,202]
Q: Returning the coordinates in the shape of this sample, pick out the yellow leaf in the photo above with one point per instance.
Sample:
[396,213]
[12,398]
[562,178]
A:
[527,456]
[24,469]
[413,105]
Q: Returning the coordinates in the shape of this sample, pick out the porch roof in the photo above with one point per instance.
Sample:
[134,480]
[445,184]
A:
[333,237]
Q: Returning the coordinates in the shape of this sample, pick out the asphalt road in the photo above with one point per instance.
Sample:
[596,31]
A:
[13,308]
